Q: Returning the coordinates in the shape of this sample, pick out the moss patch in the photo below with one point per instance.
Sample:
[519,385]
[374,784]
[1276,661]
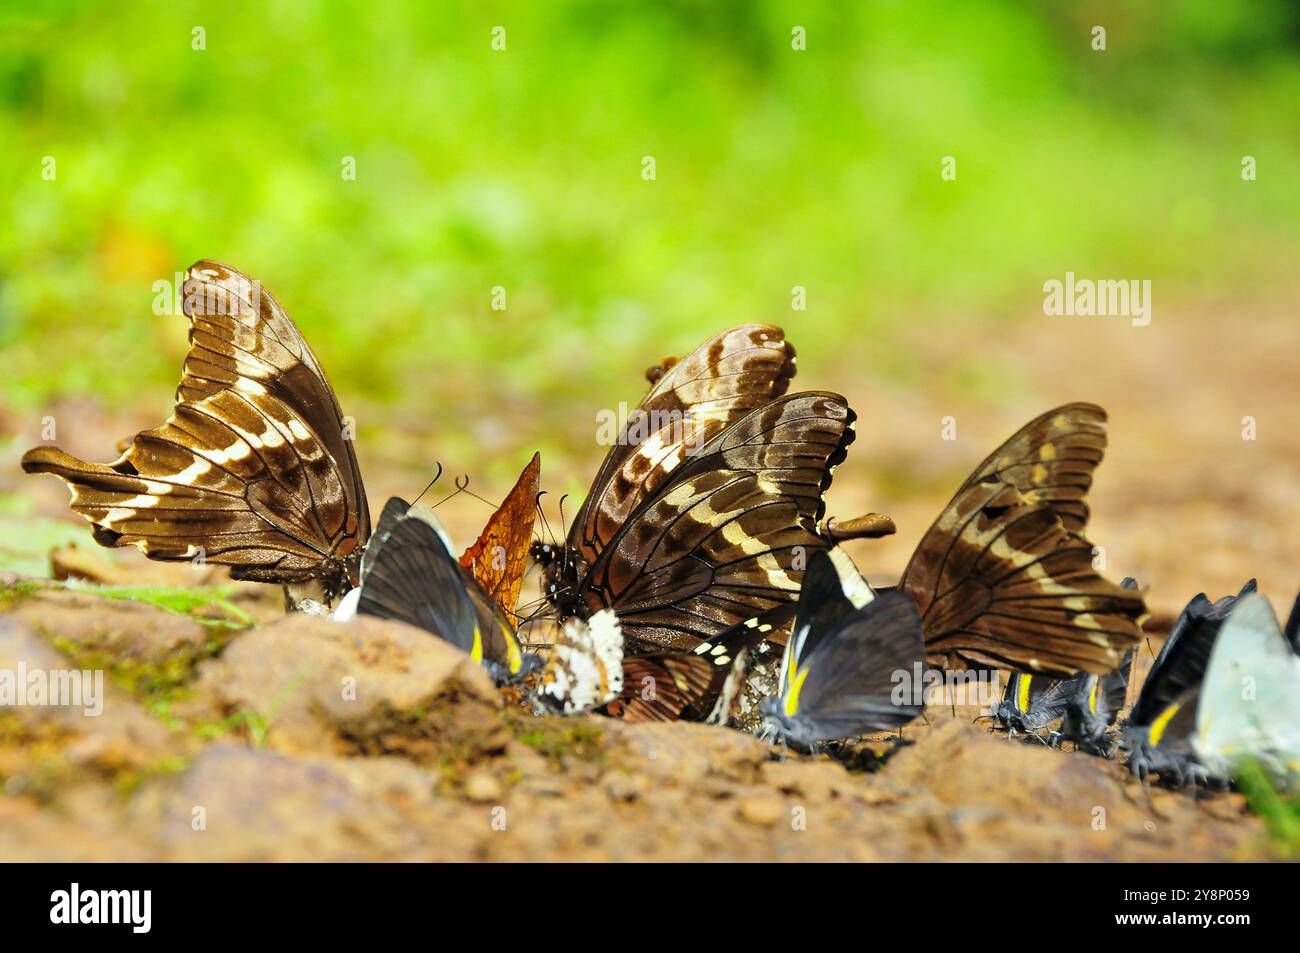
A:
[559,739]
[17,591]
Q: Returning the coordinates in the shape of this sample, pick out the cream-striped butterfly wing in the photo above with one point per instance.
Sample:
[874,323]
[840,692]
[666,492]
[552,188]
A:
[255,467]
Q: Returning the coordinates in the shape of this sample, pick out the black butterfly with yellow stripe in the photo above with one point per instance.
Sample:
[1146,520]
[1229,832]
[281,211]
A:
[1158,732]
[846,671]
[1032,703]
[409,574]
[1094,705]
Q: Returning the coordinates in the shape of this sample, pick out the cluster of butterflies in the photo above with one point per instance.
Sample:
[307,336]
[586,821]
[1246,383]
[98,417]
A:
[1224,687]
[702,543]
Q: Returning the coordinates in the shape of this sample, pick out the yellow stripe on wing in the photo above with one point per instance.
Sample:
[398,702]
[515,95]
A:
[1161,723]
[792,693]
[514,654]
[1022,696]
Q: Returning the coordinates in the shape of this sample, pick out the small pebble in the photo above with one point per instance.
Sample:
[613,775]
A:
[481,786]
[762,809]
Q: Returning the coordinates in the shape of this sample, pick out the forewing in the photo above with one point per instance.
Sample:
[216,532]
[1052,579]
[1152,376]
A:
[853,676]
[499,557]
[728,535]
[1050,460]
[823,607]
[412,577]
[691,401]
[1180,664]
[1000,582]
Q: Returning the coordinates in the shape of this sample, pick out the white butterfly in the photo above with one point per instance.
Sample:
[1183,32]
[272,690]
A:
[1250,697]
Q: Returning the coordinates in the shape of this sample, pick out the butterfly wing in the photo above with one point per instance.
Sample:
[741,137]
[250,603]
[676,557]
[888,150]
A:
[394,512]
[1181,661]
[1050,460]
[664,687]
[585,668]
[732,687]
[1005,579]
[412,577]
[253,468]
[1292,630]
[823,608]
[691,401]
[725,537]
[847,683]
[855,586]
[1164,746]
[689,686]
[1032,702]
[409,574]
[499,557]
[1113,691]
[1250,696]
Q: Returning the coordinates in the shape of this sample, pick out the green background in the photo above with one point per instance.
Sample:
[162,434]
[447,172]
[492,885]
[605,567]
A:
[522,168]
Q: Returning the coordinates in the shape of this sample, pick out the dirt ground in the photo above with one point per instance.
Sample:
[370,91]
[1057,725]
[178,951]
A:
[431,762]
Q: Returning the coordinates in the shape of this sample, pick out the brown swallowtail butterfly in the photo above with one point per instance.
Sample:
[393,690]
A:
[711,538]
[683,533]
[254,468]
[1005,576]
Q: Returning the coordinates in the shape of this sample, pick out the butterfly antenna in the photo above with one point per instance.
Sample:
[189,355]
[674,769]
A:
[460,488]
[537,502]
[465,489]
[435,479]
[564,529]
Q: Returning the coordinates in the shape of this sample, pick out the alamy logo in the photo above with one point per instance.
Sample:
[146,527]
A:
[133,907]
[61,688]
[654,429]
[1085,297]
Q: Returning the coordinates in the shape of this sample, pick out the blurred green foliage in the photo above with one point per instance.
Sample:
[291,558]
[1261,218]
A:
[523,168]
[1279,810]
